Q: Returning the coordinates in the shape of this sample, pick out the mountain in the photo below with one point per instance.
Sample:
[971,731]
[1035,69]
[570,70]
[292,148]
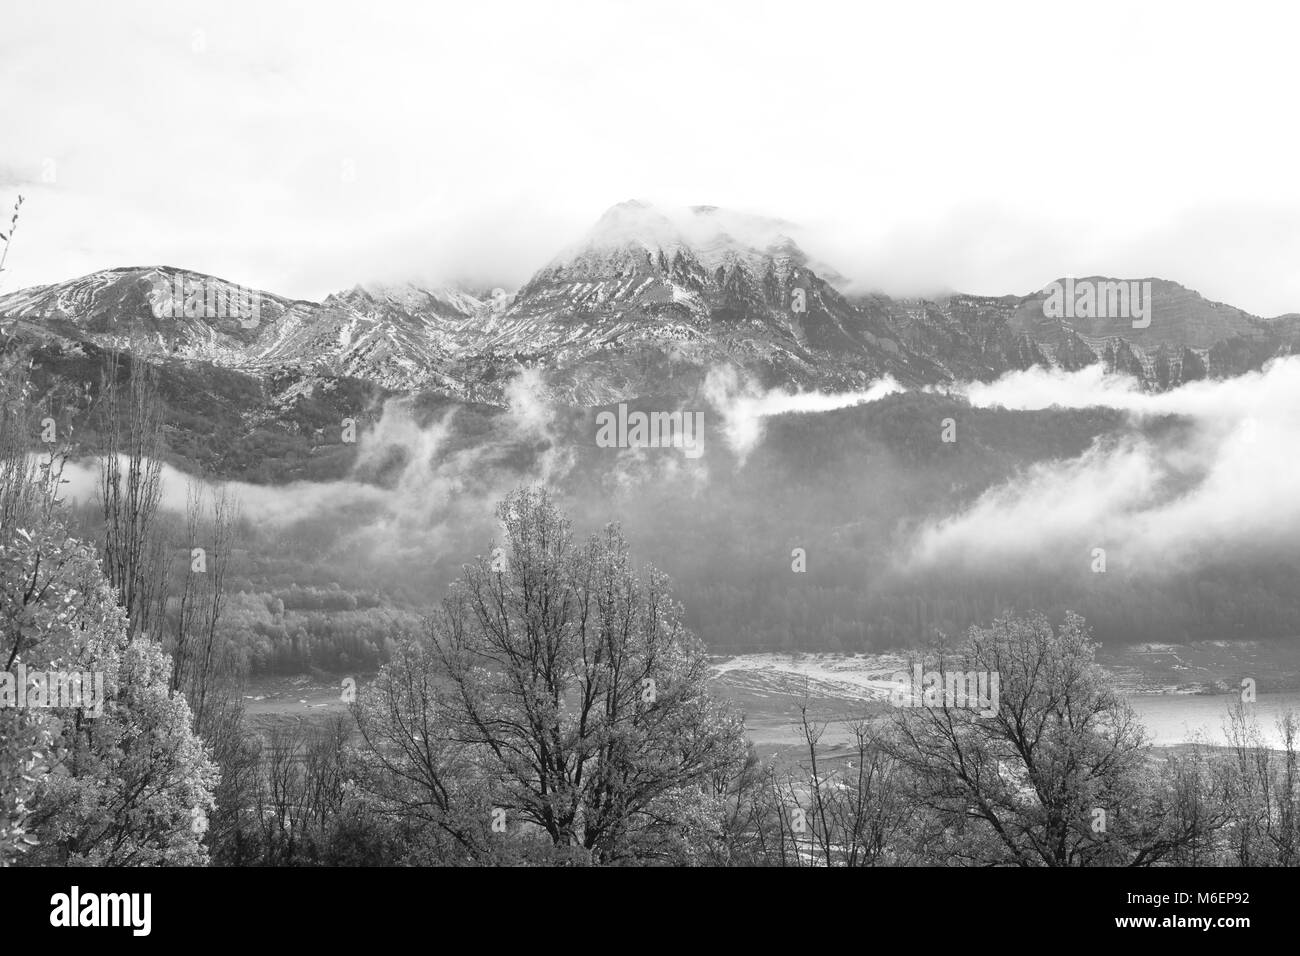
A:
[643,305]
[400,338]
[1188,337]
[137,308]
[646,303]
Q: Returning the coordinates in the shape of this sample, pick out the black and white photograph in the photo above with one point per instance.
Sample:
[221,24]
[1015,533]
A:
[632,440]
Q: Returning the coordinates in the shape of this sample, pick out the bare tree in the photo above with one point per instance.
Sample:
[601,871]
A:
[130,489]
[857,814]
[577,680]
[205,670]
[410,762]
[1057,775]
[281,798]
[1263,788]
[570,684]
[7,237]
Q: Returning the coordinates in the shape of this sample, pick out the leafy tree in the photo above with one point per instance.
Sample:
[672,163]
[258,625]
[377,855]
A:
[130,785]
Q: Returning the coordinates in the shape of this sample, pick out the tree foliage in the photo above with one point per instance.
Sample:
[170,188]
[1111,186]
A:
[131,785]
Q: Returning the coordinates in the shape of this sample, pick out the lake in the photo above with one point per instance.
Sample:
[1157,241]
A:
[1182,718]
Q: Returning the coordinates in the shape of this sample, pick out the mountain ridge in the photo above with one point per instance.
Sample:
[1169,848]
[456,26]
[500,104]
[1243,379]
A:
[645,303]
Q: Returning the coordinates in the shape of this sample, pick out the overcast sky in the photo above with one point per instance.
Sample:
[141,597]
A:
[982,147]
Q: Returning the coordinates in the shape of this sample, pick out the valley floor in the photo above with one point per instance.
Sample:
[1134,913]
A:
[1182,692]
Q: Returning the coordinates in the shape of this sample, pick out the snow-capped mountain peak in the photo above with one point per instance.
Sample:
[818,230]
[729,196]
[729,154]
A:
[646,302]
[637,238]
[631,223]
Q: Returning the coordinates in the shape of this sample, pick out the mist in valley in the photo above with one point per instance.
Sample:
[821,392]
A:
[1159,516]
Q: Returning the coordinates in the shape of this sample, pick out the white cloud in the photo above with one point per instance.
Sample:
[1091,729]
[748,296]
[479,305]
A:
[1153,500]
[924,145]
[745,406]
[410,482]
